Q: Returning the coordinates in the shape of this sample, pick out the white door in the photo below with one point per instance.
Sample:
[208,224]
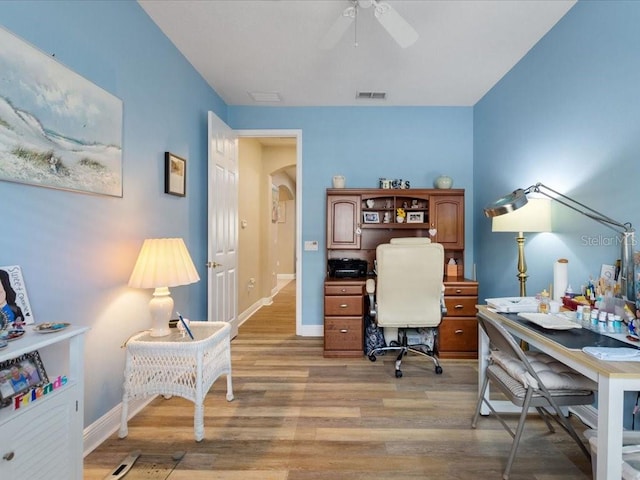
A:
[223,224]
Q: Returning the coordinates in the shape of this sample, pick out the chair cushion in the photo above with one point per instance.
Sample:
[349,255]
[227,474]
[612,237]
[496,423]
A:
[554,374]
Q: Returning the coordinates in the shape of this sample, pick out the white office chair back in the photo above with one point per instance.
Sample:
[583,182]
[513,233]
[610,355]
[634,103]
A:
[409,283]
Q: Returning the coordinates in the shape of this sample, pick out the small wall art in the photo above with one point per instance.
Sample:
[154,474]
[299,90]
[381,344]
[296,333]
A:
[175,175]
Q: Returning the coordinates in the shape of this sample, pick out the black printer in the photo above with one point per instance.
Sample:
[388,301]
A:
[347,268]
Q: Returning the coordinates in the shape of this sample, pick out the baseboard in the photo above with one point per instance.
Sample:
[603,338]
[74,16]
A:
[246,315]
[311,331]
[286,276]
[100,430]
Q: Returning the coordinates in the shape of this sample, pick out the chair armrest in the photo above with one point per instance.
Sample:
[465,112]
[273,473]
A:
[370,286]
[443,305]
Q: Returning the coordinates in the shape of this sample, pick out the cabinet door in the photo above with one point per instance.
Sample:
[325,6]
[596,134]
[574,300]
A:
[343,221]
[44,441]
[446,215]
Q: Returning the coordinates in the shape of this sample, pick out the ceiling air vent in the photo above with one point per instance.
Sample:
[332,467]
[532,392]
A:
[265,96]
[371,95]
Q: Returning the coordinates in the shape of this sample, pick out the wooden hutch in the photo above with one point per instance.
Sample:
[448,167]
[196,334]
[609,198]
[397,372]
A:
[358,220]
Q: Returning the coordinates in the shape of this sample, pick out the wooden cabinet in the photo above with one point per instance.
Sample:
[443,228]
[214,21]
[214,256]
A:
[343,318]
[358,220]
[43,437]
[459,329]
[446,216]
[343,221]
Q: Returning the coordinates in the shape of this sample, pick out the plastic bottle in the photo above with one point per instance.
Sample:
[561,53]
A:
[594,319]
[586,315]
[543,306]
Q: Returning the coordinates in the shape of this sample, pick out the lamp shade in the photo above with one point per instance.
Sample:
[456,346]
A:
[163,262]
[534,216]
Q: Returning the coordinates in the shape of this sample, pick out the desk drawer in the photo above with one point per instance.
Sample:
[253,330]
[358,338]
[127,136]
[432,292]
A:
[451,290]
[459,335]
[343,289]
[343,305]
[461,306]
[343,333]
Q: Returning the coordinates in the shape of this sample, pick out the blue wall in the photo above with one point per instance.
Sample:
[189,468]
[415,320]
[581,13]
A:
[363,144]
[76,250]
[567,115]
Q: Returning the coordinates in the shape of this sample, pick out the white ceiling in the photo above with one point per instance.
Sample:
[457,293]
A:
[272,46]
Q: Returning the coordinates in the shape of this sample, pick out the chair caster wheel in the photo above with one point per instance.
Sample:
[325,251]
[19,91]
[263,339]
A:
[438,370]
[398,373]
[372,358]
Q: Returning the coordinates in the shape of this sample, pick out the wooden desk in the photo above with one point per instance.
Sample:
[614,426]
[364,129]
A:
[613,379]
[177,365]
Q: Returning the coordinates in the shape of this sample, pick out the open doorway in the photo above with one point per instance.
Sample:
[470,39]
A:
[269,206]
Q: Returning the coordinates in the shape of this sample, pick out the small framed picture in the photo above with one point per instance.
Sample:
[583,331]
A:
[415,217]
[175,175]
[371,217]
[20,375]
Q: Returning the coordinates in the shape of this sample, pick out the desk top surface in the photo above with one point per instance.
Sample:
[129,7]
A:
[531,335]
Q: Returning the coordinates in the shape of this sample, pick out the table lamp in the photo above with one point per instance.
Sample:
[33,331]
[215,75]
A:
[535,216]
[162,263]
[518,199]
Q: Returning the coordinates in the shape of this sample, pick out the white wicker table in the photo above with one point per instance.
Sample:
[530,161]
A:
[176,365]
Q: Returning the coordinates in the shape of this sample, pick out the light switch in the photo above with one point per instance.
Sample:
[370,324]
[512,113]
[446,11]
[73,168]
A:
[311,245]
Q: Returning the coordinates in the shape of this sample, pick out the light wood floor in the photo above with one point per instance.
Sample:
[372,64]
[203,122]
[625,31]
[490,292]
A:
[299,416]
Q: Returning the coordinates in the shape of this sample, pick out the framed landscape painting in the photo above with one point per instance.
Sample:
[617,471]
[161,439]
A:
[57,129]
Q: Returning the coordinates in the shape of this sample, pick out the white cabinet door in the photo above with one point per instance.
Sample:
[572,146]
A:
[41,442]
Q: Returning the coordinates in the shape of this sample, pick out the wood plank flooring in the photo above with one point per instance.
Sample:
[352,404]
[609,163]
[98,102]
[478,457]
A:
[299,416]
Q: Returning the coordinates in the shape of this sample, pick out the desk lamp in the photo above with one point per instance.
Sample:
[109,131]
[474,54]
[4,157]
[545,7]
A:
[535,216]
[518,199]
[162,263]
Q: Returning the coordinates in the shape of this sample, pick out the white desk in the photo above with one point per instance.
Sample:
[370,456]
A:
[176,365]
[613,378]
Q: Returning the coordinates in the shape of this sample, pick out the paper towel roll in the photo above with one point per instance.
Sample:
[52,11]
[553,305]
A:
[560,278]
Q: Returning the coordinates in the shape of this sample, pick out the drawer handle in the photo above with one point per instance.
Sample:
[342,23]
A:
[458,290]
[459,332]
[458,307]
[344,330]
[344,305]
[343,290]
[8,456]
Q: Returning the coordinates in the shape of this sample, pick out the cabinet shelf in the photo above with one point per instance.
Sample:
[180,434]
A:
[397,226]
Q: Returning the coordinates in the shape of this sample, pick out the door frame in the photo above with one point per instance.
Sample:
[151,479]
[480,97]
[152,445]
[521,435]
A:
[297,134]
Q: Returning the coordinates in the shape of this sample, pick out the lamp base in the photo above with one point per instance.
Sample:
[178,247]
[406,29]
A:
[161,307]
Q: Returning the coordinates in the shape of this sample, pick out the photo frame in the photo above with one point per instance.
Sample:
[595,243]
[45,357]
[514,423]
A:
[15,291]
[175,175]
[19,375]
[371,217]
[415,217]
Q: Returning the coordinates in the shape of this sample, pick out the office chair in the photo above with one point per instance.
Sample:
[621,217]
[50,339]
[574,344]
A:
[530,379]
[408,293]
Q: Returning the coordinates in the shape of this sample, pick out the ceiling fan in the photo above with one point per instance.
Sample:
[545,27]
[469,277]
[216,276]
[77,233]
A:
[389,18]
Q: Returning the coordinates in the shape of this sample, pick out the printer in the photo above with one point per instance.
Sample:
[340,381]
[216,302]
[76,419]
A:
[347,268]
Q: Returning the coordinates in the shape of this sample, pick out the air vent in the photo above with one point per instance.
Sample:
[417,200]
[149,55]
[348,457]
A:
[265,96]
[371,95]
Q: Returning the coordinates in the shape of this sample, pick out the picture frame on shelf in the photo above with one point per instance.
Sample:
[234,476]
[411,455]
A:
[175,175]
[19,375]
[371,217]
[15,292]
[415,217]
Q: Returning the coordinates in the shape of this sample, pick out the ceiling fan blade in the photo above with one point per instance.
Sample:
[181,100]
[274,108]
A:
[399,29]
[338,29]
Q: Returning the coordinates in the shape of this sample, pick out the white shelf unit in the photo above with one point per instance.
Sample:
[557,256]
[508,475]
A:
[43,440]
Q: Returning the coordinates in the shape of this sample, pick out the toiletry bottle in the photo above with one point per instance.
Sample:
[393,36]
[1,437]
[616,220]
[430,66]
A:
[543,306]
